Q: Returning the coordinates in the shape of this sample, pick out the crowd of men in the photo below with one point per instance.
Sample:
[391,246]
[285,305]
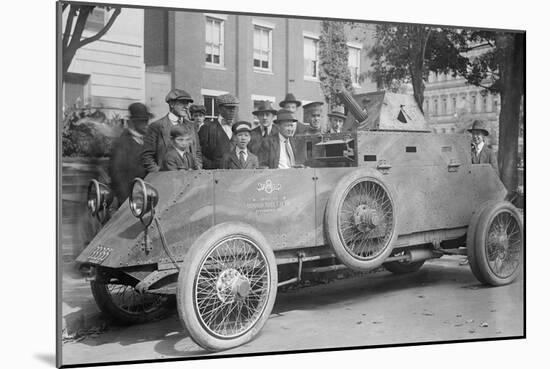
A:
[182,140]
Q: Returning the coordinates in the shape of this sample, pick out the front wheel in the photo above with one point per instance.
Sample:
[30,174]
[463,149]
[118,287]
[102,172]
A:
[227,286]
[495,248]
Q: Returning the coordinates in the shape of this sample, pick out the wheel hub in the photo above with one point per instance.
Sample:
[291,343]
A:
[365,218]
[232,285]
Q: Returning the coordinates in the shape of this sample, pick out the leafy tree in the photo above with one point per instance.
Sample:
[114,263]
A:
[72,36]
[333,60]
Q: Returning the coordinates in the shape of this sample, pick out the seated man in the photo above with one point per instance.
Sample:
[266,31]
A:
[314,110]
[336,119]
[292,104]
[179,155]
[239,157]
[280,151]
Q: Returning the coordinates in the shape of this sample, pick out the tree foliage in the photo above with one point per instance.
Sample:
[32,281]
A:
[333,60]
[77,16]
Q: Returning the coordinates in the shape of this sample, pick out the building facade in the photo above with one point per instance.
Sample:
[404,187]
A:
[253,57]
[108,74]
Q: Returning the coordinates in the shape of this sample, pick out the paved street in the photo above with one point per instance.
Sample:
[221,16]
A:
[443,301]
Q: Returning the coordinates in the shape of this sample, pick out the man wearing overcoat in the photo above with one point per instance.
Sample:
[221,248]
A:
[266,128]
[215,136]
[481,154]
[280,151]
[157,139]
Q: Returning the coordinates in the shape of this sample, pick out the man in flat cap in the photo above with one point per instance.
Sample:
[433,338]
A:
[265,114]
[314,111]
[157,139]
[239,157]
[336,119]
[280,151]
[292,104]
[481,154]
[215,137]
[125,163]
[198,113]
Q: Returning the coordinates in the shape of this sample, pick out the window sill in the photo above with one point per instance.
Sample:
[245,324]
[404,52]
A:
[263,71]
[214,66]
[311,79]
[356,85]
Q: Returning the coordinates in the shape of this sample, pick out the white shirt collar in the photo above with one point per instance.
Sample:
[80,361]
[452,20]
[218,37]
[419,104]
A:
[282,138]
[237,151]
[480,147]
[173,118]
[180,151]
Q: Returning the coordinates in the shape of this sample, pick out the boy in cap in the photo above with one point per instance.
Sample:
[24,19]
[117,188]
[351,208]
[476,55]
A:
[314,110]
[280,151]
[481,154]
[198,113]
[157,139]
[179,155]
[240,157]
[125,163]
[215,137]
[265,114]
[292,104]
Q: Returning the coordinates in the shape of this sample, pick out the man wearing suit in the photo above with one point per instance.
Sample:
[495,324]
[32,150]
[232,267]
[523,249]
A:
[314,110]
[239,157]
[157,139]
[292,104]
[280,151]
[481,154]
[336,119]
[265,114]
[125,163]
[215,137]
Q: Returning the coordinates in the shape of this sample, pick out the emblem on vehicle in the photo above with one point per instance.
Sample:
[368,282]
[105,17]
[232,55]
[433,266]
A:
[268,186]
[99,254]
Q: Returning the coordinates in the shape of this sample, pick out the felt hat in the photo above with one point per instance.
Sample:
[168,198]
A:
[479,125]
[177,94]
[284,115]
[265,106]
[139,111]
[289,98]
[337,111]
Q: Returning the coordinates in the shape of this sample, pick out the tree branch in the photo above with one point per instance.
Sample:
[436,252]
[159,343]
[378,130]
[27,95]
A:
[104,30]
[466,49]
[68,26]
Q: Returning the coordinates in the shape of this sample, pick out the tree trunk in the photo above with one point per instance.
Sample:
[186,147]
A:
[512,77]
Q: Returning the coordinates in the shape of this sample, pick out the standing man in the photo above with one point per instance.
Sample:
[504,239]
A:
[315,110]
[198,113]
[215,137]
[157,139]
[265,114]
[239,157]
[292,104]
[336,119]
[481,154]
[280,151]
[125,163]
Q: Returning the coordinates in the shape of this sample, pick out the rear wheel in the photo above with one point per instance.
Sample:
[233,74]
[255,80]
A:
[495,249]
[126,306]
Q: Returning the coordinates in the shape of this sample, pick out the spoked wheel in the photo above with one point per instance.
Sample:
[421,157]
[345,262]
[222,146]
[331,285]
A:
[126,306]
[360,221]
[227,286]
[495,250]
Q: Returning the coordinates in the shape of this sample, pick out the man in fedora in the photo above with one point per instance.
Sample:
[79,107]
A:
[336,119]
[157,139]
[125,163]
[481,154]
[292,104]
[265,114]
[280,151]
[239,157]
[314,111]
[215,136]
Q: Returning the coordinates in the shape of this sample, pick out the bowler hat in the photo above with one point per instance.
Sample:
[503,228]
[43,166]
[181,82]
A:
[289,98]
[197,109]
[177,94]
[227,99]
[337,111]
[241,126]
[138,111]
[265,106]
[479,125]
[284,115]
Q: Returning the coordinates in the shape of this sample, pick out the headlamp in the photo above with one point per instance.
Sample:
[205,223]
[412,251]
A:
[99,197]
[143,198]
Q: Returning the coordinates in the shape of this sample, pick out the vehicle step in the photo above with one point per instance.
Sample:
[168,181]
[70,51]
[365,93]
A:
[324,269]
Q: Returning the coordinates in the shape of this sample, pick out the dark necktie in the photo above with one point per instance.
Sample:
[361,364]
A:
[264,132]
[242,159]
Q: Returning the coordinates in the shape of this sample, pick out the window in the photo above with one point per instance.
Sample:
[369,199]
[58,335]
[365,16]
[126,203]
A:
[211,108]
[474,102]
[262,48]
[484,106]
[436,107]
[311,57]
[443,130]
[426,106]
[495,105]
[214,41]
[444,107]
[75,90]
[354,62]
[454,105]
